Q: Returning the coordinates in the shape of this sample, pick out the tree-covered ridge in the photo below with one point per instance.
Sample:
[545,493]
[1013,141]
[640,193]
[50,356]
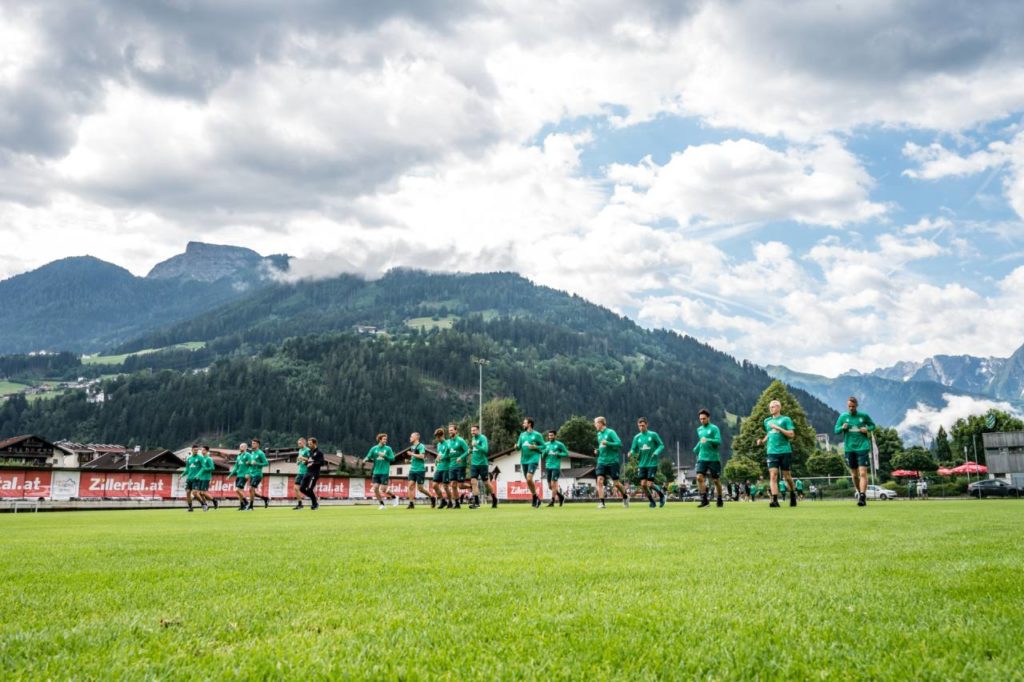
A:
[344,387]
[85,304]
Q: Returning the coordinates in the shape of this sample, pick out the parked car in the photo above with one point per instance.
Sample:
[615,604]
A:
[877,492]
[993,487]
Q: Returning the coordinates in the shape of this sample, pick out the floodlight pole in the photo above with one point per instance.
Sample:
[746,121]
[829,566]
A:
[480,362]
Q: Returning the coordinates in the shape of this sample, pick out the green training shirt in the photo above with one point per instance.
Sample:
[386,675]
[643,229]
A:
[417,465]
[257,460]
[527,454]
[382,456]
[458,452]
[777,443]
[647,447]
[240,469]
[554,451]
[708,450]
[854,440]
[303,452]
[441,463]
[479,447]
[206,473]
[609,452]
[193,465]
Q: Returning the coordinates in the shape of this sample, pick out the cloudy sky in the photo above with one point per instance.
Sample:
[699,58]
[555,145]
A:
[823,185]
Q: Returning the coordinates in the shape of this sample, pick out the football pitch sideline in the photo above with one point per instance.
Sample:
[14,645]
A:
[898,590]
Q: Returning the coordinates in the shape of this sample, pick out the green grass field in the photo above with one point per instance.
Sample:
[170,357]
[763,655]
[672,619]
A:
[927,590]
[427,323]
[10,387]
[119,359]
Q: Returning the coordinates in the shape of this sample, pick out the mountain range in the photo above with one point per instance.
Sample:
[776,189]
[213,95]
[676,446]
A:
[346,357]
[1001,378]
[231,300]
[892,391]
[86,305]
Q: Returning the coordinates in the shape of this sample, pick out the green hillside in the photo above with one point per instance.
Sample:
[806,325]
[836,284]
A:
[558,355]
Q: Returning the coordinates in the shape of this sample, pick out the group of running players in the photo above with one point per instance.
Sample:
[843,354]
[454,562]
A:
[455,457]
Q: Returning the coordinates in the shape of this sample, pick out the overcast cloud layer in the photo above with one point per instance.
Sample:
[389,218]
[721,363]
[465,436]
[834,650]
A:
[819,185]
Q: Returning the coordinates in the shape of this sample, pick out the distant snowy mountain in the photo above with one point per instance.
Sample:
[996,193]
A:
[1001,378]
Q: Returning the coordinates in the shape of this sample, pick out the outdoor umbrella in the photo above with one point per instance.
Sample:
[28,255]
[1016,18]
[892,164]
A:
[970,468]
[943,471]
[903,473]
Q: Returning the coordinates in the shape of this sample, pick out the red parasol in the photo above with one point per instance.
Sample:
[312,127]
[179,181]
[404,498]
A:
[943,471]
[970,468]
[904,473]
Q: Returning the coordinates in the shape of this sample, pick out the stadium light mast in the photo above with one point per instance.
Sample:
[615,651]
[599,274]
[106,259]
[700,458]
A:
[480,362]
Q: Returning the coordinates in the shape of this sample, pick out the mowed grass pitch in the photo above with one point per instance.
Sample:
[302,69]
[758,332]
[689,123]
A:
[911,590]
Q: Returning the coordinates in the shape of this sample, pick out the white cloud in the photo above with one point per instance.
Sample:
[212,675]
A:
[927,420]
[363,136]
[745,181]
[937,162]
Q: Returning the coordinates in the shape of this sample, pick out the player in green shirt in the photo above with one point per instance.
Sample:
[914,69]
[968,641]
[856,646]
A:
[554,452]
[439,482]
[417,471]
[458,459]
[779,432]
[478,465]
[530,446]
[257,461]
[609,445]
[799,489]
[240,472]
[856,428]
[193,466]
[647,447]
[204,478]
[300,476]
[709,461]
[382,456]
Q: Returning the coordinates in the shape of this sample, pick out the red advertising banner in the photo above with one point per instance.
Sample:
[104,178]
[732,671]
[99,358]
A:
[518,490]
[399,487]
[221,486]
[29,484]
[329,487]
[124,484]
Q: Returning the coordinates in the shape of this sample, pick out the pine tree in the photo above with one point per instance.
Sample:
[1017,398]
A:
[804,442]
[943,451]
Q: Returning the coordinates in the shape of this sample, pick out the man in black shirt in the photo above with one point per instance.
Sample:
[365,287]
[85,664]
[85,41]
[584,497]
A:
[315,462]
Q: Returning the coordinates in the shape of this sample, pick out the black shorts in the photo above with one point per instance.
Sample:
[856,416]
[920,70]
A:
[712,469]
[478,471]
[309,482]
[417,476]
[608,471]
[299,478]
[552,475]
[190,484]
[457,475]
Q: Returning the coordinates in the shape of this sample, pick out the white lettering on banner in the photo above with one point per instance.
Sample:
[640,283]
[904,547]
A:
[111,485]
[9,484]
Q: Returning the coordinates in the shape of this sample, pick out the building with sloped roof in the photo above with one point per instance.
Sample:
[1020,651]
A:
[26,451]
